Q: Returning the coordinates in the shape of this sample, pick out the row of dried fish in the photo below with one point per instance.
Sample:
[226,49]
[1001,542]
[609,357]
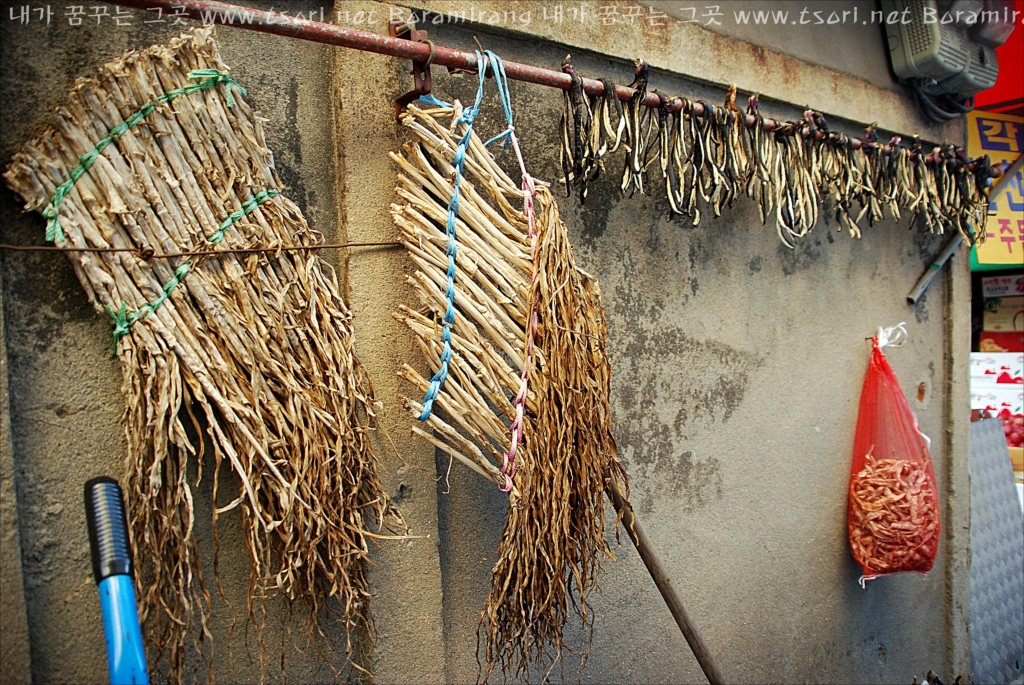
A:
[710,153]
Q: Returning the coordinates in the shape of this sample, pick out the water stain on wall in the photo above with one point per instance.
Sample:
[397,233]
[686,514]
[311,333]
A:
[804,254]
[692,482]
[921,308]
[667,387]
[594,213]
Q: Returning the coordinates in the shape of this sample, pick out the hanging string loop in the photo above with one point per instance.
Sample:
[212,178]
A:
[529,187]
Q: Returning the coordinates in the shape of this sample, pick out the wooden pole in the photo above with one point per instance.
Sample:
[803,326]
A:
[659,573]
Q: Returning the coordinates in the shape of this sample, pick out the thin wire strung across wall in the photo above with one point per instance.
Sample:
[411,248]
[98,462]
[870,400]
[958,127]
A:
[788,171]
[123,320]
[149,253]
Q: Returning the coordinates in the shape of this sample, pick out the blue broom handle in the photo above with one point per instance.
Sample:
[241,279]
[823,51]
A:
[112,567]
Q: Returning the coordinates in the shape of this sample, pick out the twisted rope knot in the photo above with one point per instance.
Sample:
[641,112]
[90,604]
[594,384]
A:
[121,323]
[215,76]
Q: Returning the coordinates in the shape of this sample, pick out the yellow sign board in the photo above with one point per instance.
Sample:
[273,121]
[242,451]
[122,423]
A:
[1001,137]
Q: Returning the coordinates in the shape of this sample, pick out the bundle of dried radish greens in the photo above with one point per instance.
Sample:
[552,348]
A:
[553,540]
[159,153]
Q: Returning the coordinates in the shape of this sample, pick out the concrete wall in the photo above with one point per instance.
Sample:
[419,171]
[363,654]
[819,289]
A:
[737,366]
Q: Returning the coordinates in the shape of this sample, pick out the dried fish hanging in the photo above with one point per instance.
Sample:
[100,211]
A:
[550,551]
[260,345]
[638,132]
[578,158]
[710,151]
[587,131]
[796,195]
[760,158]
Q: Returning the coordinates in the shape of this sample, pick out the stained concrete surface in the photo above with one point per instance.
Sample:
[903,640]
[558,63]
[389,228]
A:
[841,35]
[406,576]
[737,366]
[14,648]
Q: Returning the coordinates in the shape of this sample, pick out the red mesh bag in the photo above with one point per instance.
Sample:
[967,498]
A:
[893,515]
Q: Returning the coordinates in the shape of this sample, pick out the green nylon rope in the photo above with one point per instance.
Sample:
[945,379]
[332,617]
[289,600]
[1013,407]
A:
[247,208]
[124,320]
[208,78]
[203,79]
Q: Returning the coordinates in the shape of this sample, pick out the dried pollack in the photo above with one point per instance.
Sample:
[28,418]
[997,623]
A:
[709,152]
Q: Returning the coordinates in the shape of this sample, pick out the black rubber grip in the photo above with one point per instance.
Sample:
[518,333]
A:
[108,528]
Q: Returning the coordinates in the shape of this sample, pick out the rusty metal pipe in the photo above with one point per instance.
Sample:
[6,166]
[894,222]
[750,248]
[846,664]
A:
[320,32]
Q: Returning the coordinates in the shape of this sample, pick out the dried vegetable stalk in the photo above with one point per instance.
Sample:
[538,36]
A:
[894,516]
[551,547]
[787,171]
[261,346]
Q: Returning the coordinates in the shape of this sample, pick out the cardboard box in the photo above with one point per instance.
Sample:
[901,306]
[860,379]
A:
[997,398]
[1002,286]
[1003,314]
[997,367]
[1001,341]
[1017,457]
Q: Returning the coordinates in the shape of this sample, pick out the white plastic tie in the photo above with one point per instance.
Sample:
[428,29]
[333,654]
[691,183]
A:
[894,336]
[863,581]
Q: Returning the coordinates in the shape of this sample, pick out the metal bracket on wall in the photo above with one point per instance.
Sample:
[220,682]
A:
[420,70]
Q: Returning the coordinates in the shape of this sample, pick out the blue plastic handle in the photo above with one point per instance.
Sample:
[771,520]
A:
[113,568]
[126,657]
